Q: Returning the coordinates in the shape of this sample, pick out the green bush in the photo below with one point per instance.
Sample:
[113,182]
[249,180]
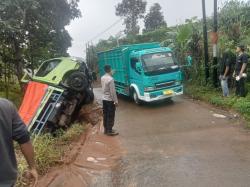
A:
[15,94]
[242,106]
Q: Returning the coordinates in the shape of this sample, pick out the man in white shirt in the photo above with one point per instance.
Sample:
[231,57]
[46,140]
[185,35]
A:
[109,100]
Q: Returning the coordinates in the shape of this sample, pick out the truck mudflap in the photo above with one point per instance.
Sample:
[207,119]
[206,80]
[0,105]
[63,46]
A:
[162,94]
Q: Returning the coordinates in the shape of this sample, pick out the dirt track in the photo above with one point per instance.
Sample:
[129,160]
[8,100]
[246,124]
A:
[181,143]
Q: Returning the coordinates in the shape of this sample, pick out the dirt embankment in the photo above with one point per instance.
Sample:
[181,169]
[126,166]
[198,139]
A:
[93,153]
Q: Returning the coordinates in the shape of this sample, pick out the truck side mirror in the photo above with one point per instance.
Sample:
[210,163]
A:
[26,78]
[138,67]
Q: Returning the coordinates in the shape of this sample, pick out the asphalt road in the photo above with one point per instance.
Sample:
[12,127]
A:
[179,144]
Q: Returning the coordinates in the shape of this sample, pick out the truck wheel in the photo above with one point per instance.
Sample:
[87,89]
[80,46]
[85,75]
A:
[77,81]
[136,98]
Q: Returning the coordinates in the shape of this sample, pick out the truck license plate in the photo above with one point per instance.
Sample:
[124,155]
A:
[168,92]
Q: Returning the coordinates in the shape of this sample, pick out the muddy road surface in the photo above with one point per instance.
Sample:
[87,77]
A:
[179,144]
[184,143]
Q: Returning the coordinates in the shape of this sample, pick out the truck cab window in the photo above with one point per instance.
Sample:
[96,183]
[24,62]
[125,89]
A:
[133,62]
[158,61]
[47,67]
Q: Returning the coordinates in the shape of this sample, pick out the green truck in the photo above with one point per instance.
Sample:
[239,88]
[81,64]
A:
[146,72]
[68,86]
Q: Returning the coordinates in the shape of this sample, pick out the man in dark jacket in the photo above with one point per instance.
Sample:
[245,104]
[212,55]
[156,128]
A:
[13,128]
[225,71]
[240,71]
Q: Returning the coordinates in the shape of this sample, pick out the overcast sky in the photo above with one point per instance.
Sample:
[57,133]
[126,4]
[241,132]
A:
[98,15]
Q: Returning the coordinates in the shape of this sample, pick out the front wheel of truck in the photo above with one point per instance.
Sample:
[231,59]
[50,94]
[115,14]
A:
[76,81]
[136,98]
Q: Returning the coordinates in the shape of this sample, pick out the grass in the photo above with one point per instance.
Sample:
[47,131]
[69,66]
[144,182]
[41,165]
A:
[49,151]
[15,94]
[214,96]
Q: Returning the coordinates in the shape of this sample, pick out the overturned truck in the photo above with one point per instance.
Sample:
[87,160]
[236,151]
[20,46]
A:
[55,94]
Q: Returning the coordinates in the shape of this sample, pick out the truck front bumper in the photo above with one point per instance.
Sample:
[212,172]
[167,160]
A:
[162,94]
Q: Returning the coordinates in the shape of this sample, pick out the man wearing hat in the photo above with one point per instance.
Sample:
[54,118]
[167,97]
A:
[240,71]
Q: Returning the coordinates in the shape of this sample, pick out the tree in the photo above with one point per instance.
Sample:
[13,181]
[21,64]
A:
[154,19]
[32,30]
[132,11]
[234,19]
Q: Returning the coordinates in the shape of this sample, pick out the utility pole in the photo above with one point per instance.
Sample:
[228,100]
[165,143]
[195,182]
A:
[215,40]
[205,40]
[87,54]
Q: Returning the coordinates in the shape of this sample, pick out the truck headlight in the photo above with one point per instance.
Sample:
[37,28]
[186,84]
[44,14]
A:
[148,89]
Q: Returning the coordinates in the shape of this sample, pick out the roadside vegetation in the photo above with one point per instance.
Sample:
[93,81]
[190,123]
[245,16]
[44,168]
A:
[50,151]
[32,31]
[234,29]
[14,94]
[214,96]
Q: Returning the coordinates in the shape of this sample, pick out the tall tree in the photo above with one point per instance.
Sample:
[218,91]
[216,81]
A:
[154,19]
[234,20]
[132,11]
[32,30]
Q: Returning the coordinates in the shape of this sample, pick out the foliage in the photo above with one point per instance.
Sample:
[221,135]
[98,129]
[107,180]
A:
[49,151]
[154,19]
[14,93]
[32,30]
[131,10]
[234,20]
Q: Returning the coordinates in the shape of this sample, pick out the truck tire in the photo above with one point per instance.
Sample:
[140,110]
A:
[136,98]
[76,81]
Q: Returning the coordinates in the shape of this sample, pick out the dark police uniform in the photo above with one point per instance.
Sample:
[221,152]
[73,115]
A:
[240,85]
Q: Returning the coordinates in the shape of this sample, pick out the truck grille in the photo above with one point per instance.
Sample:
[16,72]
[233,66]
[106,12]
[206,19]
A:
[164,85]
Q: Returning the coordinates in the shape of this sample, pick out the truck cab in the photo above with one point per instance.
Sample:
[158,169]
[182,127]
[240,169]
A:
[146,72]
[154,75]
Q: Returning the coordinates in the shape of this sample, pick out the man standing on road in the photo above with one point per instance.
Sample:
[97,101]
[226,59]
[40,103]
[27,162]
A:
[225,69]
[13,128]
[240,71]
[110,101]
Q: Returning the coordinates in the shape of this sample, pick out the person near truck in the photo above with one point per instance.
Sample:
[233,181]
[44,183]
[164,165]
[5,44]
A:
[110,101]
[225,71]
[189,59]
[240,72]
[13,128]
[188,66]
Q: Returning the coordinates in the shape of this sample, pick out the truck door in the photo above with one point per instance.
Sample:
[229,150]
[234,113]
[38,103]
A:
[135,75]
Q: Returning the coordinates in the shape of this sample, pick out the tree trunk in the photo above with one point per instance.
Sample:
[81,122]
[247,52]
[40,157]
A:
[18,62]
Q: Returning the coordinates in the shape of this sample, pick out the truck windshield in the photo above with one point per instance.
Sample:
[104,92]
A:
[158,61]
[47,67]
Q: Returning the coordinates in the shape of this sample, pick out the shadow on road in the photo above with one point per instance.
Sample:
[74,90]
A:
[156,104]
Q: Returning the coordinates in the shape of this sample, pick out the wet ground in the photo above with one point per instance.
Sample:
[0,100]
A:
[171,144]
[179,144]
